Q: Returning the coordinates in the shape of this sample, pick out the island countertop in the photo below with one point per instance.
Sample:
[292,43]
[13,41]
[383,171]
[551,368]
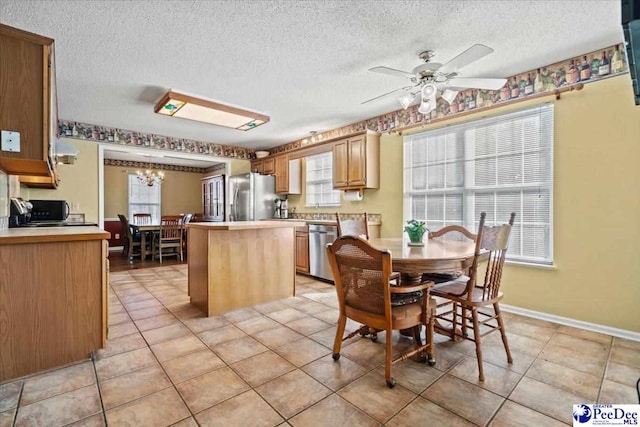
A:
[245,225]
[23,235]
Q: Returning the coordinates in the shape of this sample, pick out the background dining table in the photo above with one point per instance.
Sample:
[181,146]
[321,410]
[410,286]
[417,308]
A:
[143,229]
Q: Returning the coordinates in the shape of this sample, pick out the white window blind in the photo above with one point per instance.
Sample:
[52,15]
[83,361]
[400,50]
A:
[144,199]
[319,191]
[495,165]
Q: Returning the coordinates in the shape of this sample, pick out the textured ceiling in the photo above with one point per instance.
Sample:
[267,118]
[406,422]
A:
[304,63]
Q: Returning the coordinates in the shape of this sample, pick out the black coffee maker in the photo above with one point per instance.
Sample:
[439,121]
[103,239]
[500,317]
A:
[19,212]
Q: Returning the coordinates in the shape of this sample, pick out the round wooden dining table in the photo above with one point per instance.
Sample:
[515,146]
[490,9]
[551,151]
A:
[436,256]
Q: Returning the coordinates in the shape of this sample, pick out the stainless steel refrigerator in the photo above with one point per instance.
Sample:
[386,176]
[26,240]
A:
[252,197]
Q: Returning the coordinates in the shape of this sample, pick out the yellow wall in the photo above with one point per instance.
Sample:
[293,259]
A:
[181,192]
[596,208]
[78,182]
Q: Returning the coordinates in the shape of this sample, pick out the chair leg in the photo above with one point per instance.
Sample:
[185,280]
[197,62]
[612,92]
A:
[463,321]
[454,320]
[430,326]
[503,333]
[387,360]
[342,323]
[476,336]
[417,330]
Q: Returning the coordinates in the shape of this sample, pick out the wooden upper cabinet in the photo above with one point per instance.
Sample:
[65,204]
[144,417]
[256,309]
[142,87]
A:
[288,175]
[356,162]
[27,104]
[269,166]
[257,166]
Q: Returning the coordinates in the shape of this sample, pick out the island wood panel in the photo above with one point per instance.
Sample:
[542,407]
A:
[51,305]
[245,267]
[197,245]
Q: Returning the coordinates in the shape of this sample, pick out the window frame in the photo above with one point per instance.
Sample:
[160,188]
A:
[469,189]
[308,183]
[132,177]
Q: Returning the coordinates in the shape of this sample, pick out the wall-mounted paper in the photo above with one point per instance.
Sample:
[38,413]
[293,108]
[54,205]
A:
[352,195]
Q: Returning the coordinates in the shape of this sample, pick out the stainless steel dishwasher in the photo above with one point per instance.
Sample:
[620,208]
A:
[319,236]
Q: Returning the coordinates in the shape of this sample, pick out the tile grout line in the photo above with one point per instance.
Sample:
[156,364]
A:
[15,414]
[95,374]
[604,372]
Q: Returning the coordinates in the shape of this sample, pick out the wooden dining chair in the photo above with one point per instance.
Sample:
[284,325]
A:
[362,277]
[142,218]
[468,294]
[353,227]
[131,240]
[170,236]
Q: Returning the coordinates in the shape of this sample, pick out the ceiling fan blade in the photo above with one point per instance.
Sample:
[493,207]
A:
[388,93]
[470,55]
[391,72]
[475,83]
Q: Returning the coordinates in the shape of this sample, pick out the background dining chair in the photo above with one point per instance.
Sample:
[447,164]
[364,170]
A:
[362,277]
[131,240]
[471,293]
[170,236]
[353,227]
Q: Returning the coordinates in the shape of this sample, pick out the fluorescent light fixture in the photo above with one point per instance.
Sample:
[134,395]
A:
[177,104]
[406,100]
[449,95]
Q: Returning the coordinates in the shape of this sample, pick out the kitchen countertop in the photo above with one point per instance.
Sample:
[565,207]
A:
[320,221]
[23,235]
[246,225]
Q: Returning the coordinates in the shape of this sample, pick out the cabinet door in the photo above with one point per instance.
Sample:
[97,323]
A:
[218,198]
[357,162]
[25,102]
[340,164]
[282,174]
[205,199]
[257,166]
[302,252]
[269,166]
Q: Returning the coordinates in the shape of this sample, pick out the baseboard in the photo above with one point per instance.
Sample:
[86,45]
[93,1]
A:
[620,333]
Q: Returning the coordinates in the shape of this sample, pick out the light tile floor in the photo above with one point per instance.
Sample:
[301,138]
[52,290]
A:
[271,364]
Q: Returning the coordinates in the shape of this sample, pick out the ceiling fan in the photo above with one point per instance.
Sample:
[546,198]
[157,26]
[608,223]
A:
[431,79]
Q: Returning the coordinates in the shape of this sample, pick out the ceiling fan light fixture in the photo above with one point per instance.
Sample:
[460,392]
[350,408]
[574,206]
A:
[406,100]
[449,95]
[429,91]
[427,106]
[176,104]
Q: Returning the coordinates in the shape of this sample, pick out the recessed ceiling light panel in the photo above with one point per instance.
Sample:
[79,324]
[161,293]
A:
[177,104]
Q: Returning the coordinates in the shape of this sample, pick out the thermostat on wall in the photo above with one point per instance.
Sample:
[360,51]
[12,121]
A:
[10,141]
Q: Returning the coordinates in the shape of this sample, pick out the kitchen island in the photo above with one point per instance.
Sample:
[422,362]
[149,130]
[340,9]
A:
[53,297]
[239,264]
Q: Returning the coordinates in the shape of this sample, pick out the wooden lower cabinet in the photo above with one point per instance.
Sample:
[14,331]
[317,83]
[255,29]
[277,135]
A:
[53,304]
[302,251]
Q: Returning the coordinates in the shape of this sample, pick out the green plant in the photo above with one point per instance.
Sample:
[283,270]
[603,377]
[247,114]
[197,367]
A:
[415,229]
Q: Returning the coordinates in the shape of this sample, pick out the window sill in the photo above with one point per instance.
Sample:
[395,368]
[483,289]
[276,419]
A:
[551,267]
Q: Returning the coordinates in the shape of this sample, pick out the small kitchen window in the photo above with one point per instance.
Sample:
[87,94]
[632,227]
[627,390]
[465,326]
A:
[319,191]
[144,198]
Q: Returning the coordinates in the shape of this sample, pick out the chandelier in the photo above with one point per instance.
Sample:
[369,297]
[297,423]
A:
[150,177]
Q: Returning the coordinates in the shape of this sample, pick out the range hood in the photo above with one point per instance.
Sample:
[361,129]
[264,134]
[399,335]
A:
[66,153]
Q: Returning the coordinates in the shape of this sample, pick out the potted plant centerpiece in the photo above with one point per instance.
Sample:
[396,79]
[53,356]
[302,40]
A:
[415,229]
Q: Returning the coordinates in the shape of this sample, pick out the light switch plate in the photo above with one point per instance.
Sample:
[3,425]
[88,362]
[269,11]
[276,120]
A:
[10,141]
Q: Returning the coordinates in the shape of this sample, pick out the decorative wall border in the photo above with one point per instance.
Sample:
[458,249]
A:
[146,165]
[586,68]
[89,132]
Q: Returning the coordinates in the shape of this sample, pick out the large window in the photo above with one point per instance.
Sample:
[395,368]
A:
[144,199]
[497,165]
[320,190]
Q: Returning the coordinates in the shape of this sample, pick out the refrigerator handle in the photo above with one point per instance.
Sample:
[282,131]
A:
[235,203]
